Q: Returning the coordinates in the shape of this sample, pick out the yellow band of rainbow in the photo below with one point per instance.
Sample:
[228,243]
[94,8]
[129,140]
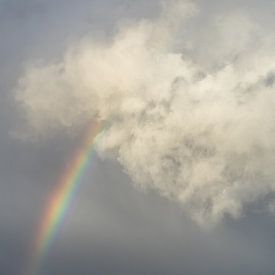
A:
[60,200]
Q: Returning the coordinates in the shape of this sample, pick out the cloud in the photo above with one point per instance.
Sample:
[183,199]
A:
[195,123]
[20,10]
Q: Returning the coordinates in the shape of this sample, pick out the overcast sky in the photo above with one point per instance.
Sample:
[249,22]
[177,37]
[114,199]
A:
[139,209]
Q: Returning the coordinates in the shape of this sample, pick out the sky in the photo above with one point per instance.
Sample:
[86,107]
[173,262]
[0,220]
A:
[182,177]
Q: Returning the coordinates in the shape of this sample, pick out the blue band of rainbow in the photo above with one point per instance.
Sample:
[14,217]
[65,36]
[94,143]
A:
[60,200]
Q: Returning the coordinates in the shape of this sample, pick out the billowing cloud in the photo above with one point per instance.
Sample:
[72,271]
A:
[194,120]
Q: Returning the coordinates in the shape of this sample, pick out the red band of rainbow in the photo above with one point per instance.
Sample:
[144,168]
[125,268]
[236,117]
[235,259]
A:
[60,200]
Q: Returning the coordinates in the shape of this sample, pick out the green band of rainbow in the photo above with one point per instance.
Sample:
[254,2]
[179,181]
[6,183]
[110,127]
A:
[61,199]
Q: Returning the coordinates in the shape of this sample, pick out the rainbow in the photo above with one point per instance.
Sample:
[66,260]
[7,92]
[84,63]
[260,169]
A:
[60,200]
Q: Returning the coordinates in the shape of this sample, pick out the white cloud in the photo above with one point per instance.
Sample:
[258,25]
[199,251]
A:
[198,127]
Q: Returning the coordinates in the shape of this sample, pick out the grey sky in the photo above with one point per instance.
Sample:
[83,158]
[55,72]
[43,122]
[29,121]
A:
[112,227]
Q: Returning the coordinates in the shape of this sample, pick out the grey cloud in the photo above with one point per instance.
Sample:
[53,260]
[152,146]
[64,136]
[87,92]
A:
[20,10]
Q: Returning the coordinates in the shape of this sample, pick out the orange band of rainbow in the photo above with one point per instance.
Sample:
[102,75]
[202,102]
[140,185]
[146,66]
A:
[60,200]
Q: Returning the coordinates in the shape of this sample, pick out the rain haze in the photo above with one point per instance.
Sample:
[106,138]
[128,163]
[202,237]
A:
[157,118]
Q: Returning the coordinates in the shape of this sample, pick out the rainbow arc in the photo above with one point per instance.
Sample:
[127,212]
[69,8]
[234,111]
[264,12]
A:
[60,200]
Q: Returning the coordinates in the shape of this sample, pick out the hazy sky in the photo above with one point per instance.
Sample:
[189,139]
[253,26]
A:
[182,181]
